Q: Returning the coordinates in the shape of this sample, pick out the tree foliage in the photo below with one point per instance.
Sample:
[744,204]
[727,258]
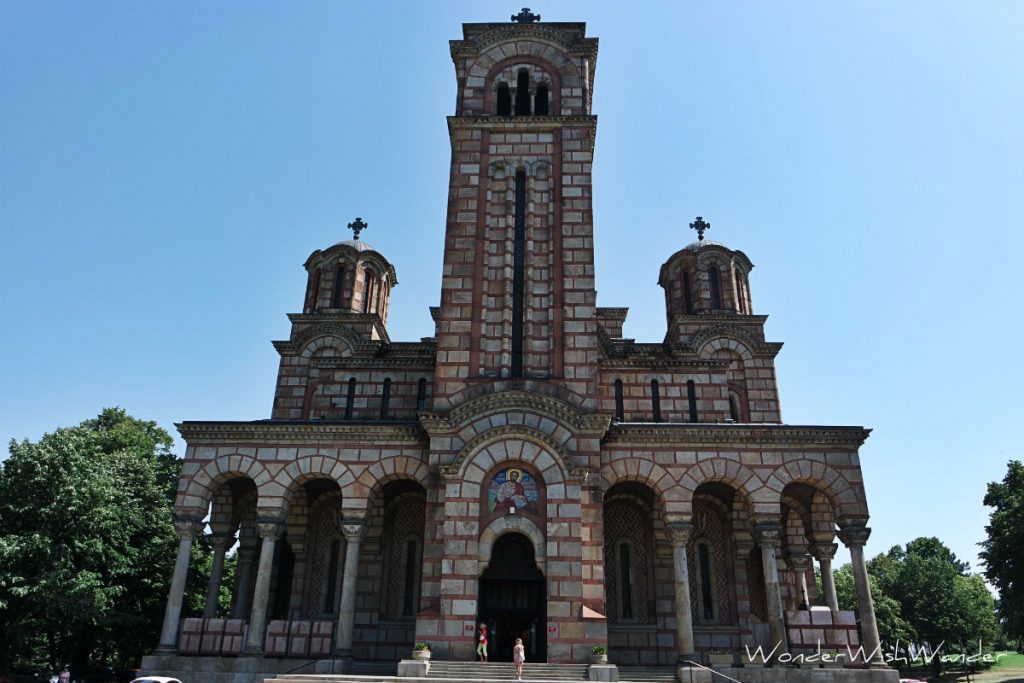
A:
[1003,550]
[87,542]
[923,593]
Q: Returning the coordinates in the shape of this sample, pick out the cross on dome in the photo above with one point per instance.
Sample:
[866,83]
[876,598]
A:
[700,226]
[525,16]
[357,226]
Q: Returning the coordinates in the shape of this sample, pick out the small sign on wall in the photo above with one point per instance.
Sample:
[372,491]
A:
[468,627]
[553,630]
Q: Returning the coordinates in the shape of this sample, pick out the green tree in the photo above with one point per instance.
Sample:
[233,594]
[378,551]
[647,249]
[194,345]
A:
[892,627]
[87,543]
[1003,550]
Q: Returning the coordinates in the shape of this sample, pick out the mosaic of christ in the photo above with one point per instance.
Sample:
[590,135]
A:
[512,490]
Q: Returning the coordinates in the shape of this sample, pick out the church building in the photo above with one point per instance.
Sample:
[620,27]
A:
[525,466]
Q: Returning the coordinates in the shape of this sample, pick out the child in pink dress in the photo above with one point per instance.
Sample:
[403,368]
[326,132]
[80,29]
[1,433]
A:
[518,657]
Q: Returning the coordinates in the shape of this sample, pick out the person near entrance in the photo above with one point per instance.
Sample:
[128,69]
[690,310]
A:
[518,657]
[481,649]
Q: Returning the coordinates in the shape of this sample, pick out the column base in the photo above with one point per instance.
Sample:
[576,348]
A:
[252,651]
[687,659]
[166,650]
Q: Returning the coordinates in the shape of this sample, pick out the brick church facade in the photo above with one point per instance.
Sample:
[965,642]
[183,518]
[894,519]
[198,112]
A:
[526,465]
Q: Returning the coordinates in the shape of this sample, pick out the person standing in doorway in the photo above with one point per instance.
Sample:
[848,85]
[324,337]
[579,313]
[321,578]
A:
[481,648]
[518,657]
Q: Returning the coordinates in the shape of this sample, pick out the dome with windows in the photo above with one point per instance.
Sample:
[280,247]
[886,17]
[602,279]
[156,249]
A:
[706,277]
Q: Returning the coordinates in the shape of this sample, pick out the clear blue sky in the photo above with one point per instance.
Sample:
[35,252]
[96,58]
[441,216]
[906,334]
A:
[166,168]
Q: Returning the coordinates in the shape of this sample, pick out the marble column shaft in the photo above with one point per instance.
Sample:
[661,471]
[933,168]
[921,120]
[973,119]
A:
[187,530]
[354,532]
[680,535]
[220,544]
[823,553]
[243,583]
[854,538]
[269,532]
[769,538]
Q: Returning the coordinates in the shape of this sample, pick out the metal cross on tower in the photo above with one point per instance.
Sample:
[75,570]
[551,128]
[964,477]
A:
[700,226]
[525,16]
[357,226]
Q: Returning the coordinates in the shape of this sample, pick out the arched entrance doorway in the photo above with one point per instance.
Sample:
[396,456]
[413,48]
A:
[513,598]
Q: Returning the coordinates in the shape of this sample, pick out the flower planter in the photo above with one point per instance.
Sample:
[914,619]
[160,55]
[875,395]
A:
[599,659]
[421,655]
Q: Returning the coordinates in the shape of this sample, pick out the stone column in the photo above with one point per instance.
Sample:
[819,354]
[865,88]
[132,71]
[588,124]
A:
[679,532]
[769,538]
[823,553]
[220,544]
[800,563]
[854,538]
[187,529]
[243,584]
[269,531]
[354,531]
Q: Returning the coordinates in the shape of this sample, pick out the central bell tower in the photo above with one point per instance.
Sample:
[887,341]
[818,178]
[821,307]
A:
[517,296]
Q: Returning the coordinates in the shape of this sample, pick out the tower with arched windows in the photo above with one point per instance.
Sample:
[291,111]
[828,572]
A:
[527,466]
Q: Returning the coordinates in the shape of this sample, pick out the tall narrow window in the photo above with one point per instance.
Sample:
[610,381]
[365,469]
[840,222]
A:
[368,284]
[350,399]
[625,583]
[385,399]
[339,282]
[518,273]
[410,579]
[716,288]
[332,576]
[687,296]
[706,595]
[504,104]
[618,400]
[314,301]
[691,397]
[421,394]
[540,101]
[655,401]
[523,93]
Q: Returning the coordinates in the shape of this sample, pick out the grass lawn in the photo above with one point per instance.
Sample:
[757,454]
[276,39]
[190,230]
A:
[1013,660]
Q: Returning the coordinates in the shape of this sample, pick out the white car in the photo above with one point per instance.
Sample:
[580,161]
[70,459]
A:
[156,679]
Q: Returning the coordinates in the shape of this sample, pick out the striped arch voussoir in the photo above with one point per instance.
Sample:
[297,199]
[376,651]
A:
[197,493]
[388,470]
[846,500]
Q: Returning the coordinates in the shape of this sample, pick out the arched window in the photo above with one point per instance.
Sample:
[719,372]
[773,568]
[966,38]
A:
[385,399]
[540,101]
[339,282]
[707,601]
[369,282]
[655,401]
[518,271]
[409,592]
[332,576]
[350,398]
[625,582]
[618,400]
[504,103]
[734,407]
[314,300]
[523,93]
[716,288]
[691,397]
[421,394]
[687,295]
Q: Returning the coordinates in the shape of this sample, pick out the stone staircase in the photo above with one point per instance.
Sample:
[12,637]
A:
[506,671]
[647,674]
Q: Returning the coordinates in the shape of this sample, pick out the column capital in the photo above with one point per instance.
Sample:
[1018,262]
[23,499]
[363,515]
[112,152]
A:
[270,528]
[824,551]
[768,535]
[221,539]
[354,529]
[679,532]
[799,562]
[188,527]
[854,536]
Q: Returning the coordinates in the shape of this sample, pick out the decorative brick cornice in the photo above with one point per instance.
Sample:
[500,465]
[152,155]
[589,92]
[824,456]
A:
[524,123]
[696,435]
[629,357]
[301,431]
[569,36]
[584,424]
[737,332]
